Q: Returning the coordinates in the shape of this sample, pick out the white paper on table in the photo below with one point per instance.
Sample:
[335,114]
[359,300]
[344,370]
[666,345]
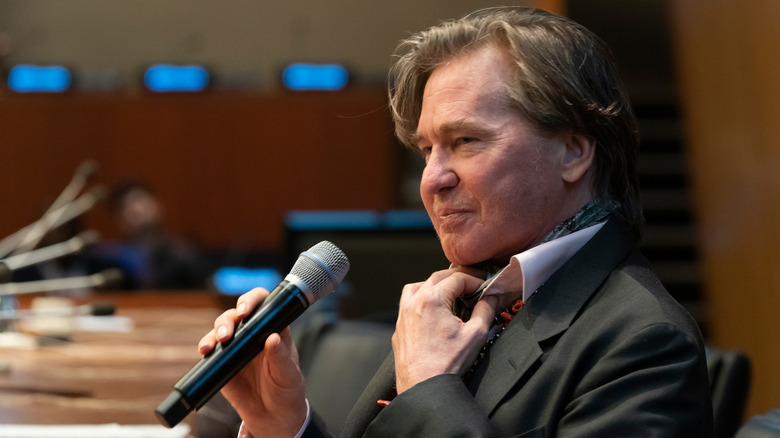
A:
[93,430]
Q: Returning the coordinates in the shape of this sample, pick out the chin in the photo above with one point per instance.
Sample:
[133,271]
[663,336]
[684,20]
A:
[462,256]
[471,255]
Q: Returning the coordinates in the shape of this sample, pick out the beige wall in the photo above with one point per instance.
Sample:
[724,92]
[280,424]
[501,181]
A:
[729,65]
[240,39]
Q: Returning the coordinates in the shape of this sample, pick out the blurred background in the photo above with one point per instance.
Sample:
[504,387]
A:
[245,170]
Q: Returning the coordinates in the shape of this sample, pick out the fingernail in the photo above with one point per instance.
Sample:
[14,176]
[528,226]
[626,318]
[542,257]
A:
[241,308]
[222,332]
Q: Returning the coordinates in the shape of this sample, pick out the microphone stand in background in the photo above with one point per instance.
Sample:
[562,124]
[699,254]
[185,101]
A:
[9,292]
[63,214]
[84,174]
[18,249]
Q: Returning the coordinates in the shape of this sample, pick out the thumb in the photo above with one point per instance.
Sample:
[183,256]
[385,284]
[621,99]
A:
[484,311]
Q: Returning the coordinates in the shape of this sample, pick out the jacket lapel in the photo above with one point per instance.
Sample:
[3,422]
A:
[509,359]
[381,387]
[551,311]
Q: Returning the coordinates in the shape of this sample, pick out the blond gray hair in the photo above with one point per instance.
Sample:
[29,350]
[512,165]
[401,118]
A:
[564,79]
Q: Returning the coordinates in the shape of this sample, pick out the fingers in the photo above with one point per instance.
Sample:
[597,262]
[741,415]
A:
[225,324]
[484,312]
[287,388]
[408,292]
[451,282]
[282,360]
[223,329]
[455,285]
[248,301]
[438,276]
[207,343]
[429,340]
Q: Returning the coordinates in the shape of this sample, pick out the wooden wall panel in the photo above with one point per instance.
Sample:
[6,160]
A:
[728,54]
[227,166]
[556,6]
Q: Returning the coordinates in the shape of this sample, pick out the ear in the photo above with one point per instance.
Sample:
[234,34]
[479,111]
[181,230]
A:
[578,156]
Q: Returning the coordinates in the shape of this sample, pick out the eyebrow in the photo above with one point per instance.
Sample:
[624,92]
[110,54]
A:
[453,126]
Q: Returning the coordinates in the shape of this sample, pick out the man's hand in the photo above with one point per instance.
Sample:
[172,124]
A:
[429,340]
[268,393]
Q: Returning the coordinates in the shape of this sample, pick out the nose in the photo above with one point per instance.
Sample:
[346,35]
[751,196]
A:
[439,174]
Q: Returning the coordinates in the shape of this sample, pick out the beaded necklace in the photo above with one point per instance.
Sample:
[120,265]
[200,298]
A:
[499,325]
[593,212]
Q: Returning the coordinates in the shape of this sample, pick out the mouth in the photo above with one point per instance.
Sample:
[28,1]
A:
[449,217]
[449,211]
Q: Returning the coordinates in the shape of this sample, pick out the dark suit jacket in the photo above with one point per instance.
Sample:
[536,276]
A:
[602,350]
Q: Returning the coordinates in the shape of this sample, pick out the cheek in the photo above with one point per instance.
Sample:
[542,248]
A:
[426,197]
[516,203]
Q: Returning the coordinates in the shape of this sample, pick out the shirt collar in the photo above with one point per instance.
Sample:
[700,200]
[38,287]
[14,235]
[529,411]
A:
[528,270]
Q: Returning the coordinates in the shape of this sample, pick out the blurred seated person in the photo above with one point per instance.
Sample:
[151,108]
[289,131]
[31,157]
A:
[149,255]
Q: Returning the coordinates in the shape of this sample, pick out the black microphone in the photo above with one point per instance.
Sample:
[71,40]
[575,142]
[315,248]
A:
[315,274]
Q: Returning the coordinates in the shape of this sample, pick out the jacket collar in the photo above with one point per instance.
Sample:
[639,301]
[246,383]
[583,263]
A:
[549,313]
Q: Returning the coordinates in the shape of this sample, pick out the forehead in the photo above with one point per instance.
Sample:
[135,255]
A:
[484,69]
[468,86]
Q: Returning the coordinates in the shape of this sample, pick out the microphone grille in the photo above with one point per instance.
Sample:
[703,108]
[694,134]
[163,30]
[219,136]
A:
[321,268]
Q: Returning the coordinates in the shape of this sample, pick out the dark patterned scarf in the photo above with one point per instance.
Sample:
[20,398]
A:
[592,213]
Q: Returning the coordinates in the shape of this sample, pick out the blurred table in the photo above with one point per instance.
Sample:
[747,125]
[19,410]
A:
[100,377]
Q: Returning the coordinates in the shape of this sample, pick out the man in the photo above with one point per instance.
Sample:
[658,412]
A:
[529,145]
[151,257]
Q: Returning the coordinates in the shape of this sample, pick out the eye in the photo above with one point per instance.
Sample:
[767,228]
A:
[424,151]
[464,140]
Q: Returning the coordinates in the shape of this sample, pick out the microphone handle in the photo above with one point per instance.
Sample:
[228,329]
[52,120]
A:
[285,303]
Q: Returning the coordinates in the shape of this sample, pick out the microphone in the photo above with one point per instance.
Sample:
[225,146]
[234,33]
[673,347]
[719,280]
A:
[315,274]
[63,214]
[103,279]
[84,174]
[71,246]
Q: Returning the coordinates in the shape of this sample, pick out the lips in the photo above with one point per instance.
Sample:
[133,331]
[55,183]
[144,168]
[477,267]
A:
[452,212]
[451,217]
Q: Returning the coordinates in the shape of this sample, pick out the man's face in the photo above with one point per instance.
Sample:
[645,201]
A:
[492,186]
[139,212]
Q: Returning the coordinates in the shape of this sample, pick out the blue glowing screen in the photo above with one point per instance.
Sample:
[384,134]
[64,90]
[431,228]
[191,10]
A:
[163,78]
[39,79]
[236,280]
[315,77]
